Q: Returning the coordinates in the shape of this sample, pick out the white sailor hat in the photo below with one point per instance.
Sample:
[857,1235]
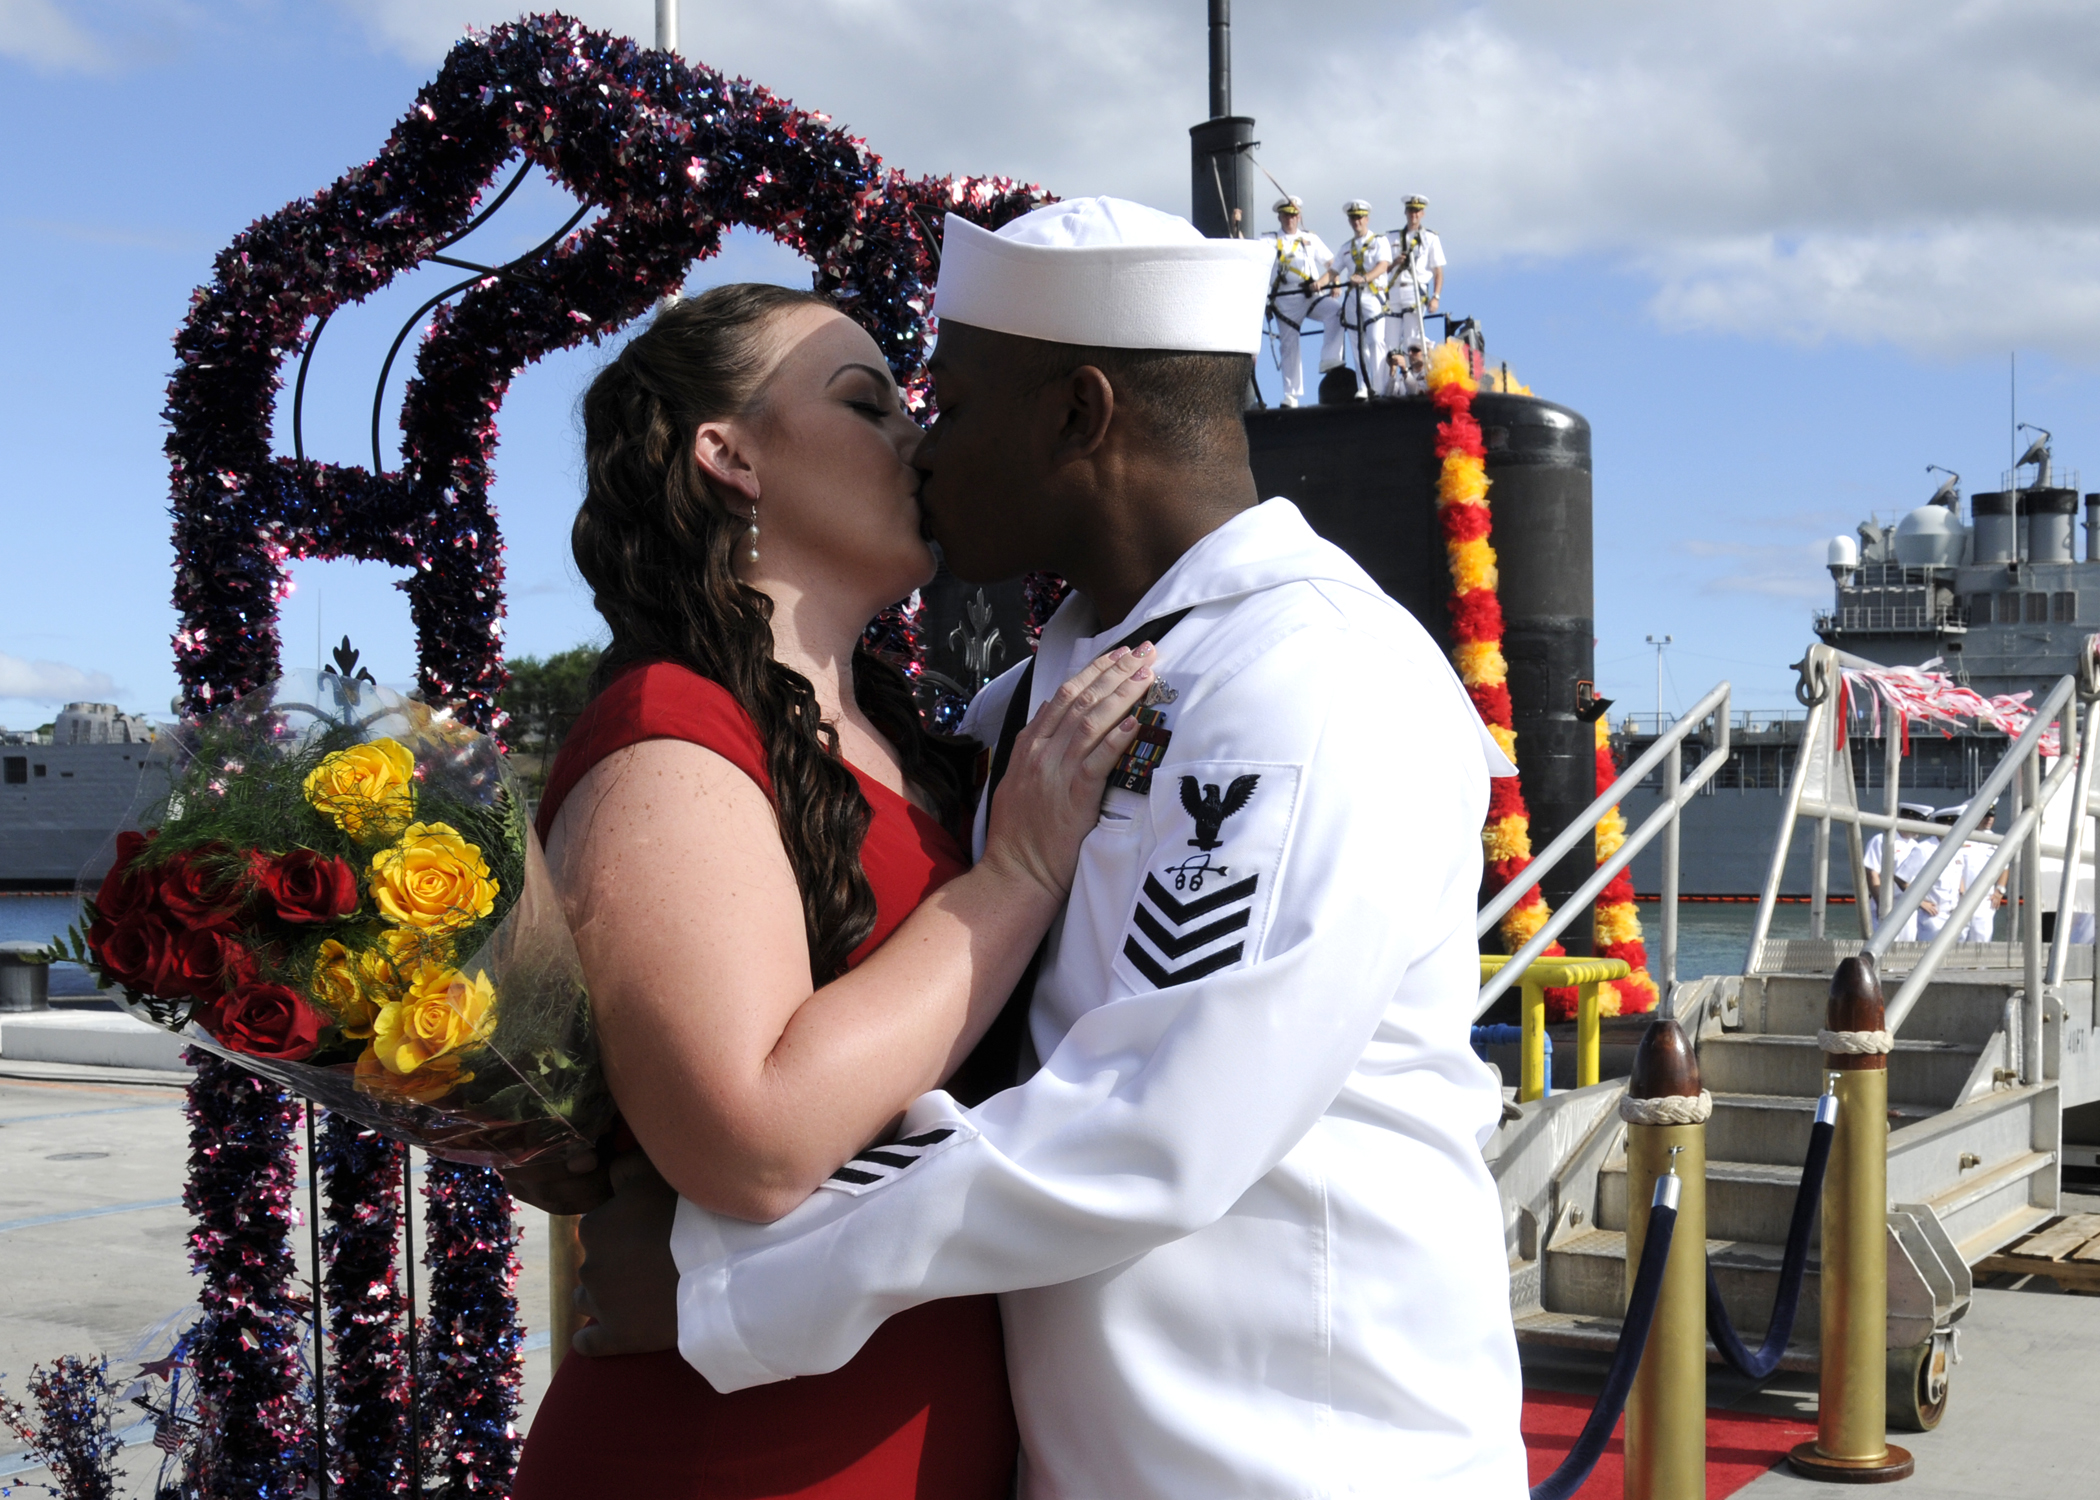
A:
[1915,809]
[1289,203]
[1356,206]
[1416,200]
[1108,273]
[1949,814]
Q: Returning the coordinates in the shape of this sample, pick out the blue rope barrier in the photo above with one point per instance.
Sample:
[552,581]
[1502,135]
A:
[1626,1359]
[1786,1302]
[1502,1034]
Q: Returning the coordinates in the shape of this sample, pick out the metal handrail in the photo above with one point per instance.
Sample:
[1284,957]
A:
[1664,750]
[2021,751]
[2016,836]
[2018,769]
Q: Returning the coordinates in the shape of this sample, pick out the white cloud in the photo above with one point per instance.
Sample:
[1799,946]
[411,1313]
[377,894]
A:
[1919,172]
[39,33]
[1791,570]
[52,682]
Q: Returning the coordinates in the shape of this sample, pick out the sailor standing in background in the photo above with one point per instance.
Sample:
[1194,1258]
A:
[1418,275]
[1302,258]
[1882,856]
[1974,856]
[1407,376]
[1354,319]
[1938,905]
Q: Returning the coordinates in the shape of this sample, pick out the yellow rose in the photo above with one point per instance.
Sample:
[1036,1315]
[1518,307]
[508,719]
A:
[440,1010]
[433,879]
[337,988]
[377,977]
[369,790]
[406,948]
[428,1084]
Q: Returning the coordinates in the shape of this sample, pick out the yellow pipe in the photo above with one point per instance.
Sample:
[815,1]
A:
[1666,1410]
[1588,1035]
[1531,1078]
[1557,972]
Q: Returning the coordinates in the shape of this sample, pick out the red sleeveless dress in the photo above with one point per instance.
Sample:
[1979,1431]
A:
[923,1411]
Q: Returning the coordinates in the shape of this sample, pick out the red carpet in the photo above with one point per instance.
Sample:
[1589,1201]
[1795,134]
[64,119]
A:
[1738,1447]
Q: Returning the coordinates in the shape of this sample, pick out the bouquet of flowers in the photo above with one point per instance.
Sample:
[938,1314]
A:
[341,891]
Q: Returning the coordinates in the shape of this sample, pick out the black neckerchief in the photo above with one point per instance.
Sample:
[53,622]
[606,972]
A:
[995,1062]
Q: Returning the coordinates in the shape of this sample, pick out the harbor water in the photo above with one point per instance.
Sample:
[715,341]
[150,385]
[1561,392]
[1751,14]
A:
[39,919]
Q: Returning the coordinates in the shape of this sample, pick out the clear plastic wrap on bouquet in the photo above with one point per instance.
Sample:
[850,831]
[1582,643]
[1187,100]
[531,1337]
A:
[341,890]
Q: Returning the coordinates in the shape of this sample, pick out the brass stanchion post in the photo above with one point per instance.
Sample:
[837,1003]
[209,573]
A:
[1851,1445]
[564,1261]
[1665,1111]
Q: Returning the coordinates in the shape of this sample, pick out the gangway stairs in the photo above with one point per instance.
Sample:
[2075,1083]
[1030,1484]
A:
[1991,1043]
[1973,1159]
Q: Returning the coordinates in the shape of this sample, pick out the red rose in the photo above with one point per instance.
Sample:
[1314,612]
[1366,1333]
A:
[125,888]
[140,954]
[307,887]
[265,1020]
[201,884]
[208,961]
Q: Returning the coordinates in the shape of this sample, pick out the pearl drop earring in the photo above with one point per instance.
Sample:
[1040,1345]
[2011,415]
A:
[751,536]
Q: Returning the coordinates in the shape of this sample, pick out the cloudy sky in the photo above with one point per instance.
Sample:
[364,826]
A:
[1781,257]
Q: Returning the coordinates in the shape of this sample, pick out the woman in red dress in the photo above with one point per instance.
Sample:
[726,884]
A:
[756,841]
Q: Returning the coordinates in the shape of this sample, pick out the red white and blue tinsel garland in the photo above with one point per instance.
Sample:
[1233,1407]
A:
[469,1367]
[246,1353]
[361,1182]
[670,154]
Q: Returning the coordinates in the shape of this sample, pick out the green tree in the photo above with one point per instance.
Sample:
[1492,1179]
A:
[544,696]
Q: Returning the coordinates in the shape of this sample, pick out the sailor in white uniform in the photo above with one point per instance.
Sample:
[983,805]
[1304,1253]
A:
[1974,855]
[1938,906]
[1302,258]
[1417,283]
[1408,375]
[1883,857]
[1238,1213]
[1353,322]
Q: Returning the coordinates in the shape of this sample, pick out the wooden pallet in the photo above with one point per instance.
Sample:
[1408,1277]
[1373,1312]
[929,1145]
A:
[2066,1250]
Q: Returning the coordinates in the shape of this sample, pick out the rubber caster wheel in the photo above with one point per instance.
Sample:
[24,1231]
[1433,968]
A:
[1917,1384]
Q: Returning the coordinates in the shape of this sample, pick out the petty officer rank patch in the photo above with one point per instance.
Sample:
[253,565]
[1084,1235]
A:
[1204,896]
[886,1163]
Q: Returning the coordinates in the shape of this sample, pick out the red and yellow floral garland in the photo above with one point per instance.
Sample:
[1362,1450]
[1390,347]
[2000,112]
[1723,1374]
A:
[1615,927]
[1476,624]
[1476,629]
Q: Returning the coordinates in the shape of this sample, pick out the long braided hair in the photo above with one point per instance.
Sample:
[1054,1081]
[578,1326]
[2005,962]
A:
[656,541]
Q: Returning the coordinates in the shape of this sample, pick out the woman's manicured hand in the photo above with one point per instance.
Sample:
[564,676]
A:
[1050,798]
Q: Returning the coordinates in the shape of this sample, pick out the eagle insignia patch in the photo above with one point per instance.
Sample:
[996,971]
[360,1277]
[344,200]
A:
[1202,905]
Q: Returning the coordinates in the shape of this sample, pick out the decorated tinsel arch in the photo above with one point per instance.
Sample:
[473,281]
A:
[670,154]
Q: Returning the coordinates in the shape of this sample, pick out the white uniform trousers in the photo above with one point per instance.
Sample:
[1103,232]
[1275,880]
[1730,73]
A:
[1352,322]
[1292,309]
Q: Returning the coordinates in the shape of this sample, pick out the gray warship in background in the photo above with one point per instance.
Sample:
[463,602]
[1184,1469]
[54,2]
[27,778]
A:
[63,794]
[1995,593]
